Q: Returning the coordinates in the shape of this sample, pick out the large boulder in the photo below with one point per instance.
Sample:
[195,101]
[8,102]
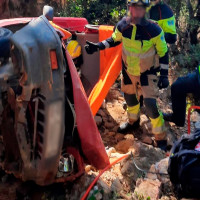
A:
[148,189]
[124,145]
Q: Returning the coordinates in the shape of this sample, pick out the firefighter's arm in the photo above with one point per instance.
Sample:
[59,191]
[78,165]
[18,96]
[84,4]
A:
[113,41]
[162,51]
[169,27]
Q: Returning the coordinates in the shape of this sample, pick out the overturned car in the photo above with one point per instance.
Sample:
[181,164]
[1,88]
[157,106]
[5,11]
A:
[47,128]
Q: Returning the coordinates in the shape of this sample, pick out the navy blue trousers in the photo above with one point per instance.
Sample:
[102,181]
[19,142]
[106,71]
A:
[180,88]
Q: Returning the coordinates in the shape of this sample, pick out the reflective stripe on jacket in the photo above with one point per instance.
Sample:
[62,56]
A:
[198,73]
[140,44]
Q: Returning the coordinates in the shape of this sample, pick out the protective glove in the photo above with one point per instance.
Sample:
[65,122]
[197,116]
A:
[91,47]
[163,81]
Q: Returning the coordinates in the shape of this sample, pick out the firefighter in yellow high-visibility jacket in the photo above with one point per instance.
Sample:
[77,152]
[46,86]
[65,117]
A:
[161,13]
[142,42]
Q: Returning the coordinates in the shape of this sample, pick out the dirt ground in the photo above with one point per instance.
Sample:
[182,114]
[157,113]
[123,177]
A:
[123,180]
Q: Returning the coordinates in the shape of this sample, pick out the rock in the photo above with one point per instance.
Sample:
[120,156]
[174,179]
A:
[105,187]
[119,136]
[167,188]
[147,188]
[129,136]
[101,113]
[147,140]
[110,134]
[165,198]
[151,175]
[106,131]
[98,120]
[171,138]
[147,128]
[115,129]
[120,98]
[116,155]
[126,196]
[105,119]
[124,145]
[162,167]
[143,120]
[88,168]
[113,94]
[109,105]
[143,150]
[110,119]
[80,186]
[145,124]
[110,151]
[172,198]
[109,125]
[116,185]
[98,196]
[117,169]
[103,105]
[130,172]
[189,199]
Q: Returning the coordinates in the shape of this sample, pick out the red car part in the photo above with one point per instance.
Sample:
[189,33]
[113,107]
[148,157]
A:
[91,142]
[73,24]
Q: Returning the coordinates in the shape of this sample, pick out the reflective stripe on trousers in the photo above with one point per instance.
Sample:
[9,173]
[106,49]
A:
[158,125]
[133,113]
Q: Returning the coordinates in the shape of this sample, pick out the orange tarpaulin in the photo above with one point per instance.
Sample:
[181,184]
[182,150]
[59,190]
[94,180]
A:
[66,34]
[110,67]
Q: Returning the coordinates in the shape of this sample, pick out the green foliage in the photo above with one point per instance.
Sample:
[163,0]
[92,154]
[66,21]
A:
[189,58]
[96,11]
[74,8]
[141,196]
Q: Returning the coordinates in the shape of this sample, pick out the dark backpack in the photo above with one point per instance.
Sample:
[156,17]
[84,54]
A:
[184,166]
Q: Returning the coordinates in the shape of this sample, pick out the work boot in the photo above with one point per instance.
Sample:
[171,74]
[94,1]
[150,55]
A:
[161,141]
[162,144]
[126,127]
[165,140]
[168,117]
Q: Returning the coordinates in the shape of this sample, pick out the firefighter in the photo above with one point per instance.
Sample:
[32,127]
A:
[74,49]
[142,42]
[179,90]
[164,16]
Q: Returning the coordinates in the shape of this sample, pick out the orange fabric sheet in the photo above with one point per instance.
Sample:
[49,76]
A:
[66,33]
[110,67]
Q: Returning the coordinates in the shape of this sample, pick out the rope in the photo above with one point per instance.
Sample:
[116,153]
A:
[146,171]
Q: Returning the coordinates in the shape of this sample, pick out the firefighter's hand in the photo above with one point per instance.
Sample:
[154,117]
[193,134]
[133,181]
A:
[163,82]
[91,47]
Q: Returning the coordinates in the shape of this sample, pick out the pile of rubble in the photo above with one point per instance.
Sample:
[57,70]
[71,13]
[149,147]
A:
[141,176]
[130,178]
